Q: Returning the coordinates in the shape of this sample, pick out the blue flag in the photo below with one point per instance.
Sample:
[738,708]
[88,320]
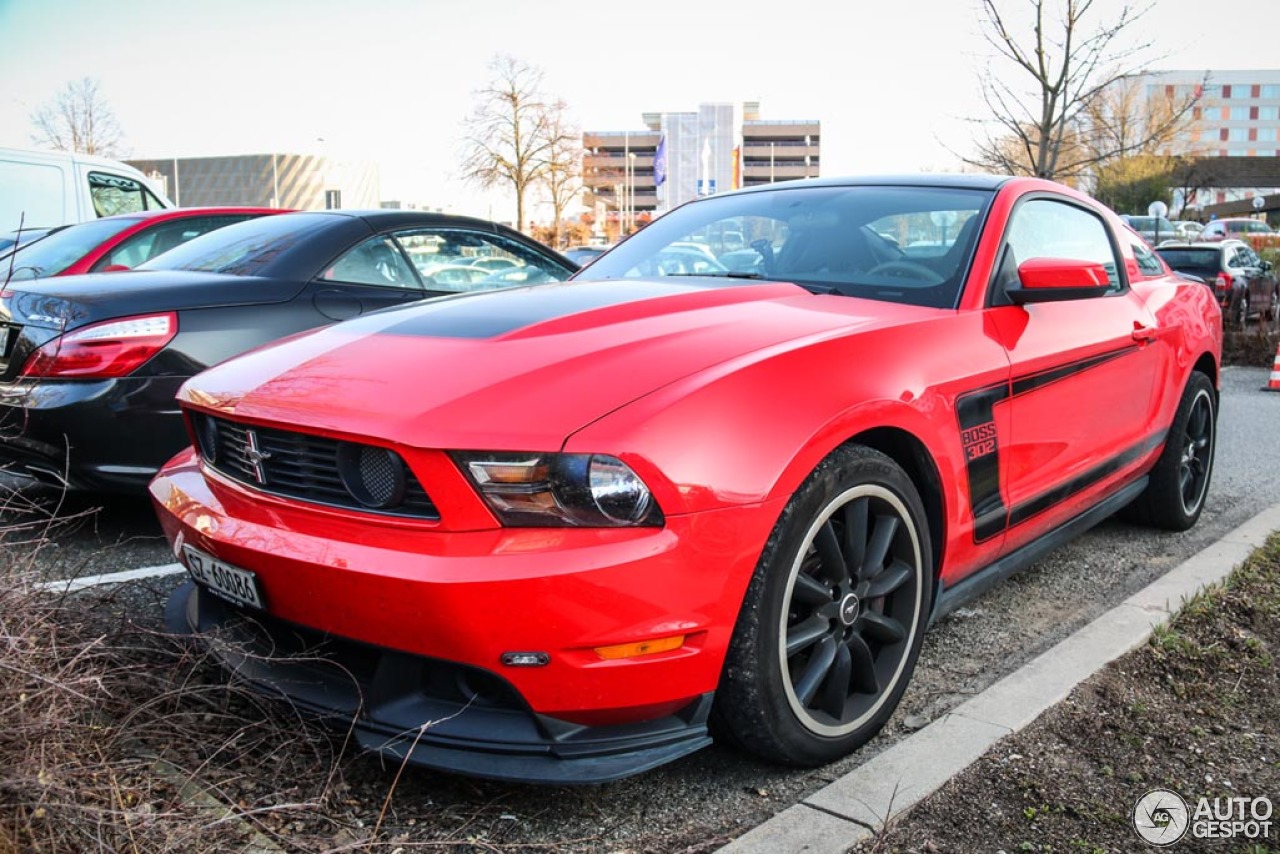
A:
[660,162]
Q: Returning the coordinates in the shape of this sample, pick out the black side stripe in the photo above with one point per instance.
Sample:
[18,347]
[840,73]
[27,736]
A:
[975,411]
[1039,504]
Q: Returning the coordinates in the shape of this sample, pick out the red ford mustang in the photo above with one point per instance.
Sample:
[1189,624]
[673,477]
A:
[553,533]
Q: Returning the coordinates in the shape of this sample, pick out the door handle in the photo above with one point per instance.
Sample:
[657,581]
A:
[1143,334]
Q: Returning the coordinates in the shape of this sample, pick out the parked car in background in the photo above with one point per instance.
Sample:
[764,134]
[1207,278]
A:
[584,255]
[1186,229]
[1244,284]
[89,365]
[1238,227]
[42,189]
[1153,229]
[117,242]
[553,533]
[21,238]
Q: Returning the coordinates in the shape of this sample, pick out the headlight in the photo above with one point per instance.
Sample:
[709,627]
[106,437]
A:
[537,489]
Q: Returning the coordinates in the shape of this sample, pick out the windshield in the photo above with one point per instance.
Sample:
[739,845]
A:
[897,244]
[243,249]
[51,255]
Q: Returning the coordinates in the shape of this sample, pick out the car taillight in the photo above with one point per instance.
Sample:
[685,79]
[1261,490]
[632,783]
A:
[1222,283]
[112,348]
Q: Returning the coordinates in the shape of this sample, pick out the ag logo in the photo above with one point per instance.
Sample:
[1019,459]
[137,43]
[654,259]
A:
[1161,817]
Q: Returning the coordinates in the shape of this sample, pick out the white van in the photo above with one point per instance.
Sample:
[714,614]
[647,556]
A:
[43,189]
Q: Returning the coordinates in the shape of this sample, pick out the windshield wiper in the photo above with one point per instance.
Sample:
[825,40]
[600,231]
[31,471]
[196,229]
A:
[721,274]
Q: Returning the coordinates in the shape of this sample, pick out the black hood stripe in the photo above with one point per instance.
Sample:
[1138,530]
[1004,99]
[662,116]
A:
[488,315]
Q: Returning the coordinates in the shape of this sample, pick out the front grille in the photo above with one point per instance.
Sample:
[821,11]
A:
[313,468]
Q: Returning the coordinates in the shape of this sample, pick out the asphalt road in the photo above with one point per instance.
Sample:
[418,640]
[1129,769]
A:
[717,793]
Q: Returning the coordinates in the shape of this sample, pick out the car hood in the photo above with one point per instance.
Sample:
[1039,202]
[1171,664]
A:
[522,369]
[72,301]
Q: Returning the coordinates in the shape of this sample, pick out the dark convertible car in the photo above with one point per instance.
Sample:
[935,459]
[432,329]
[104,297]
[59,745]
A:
[89,365]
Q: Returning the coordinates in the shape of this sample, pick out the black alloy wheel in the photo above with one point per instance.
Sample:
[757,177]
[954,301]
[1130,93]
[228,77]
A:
[1196,460]
[852,604]
[834,617]
[1179,481]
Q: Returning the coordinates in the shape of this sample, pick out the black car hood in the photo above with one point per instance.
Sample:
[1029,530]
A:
[70,301]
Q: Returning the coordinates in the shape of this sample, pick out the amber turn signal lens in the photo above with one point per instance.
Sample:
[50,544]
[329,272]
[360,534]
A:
[631,650]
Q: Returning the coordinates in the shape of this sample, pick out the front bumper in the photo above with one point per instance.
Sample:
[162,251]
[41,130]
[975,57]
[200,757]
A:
[412,624]
[99,435]
[431,713]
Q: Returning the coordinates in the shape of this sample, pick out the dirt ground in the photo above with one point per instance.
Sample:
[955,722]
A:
[1196,711]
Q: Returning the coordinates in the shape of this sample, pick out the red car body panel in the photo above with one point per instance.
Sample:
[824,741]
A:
[722,400]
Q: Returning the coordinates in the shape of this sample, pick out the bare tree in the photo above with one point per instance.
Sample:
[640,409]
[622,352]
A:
[510,135]
[562,168]
[1055,124]
[79,119]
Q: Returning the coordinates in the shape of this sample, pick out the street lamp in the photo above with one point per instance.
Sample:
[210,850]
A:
[631,190]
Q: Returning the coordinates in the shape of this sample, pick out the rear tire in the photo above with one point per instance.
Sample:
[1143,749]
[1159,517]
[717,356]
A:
[833,619]
[1180,480]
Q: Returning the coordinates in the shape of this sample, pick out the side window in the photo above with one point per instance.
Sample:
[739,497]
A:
[1148,263]
[145,245]
[116,194]
[377,261]
[1043,228]
[456,260]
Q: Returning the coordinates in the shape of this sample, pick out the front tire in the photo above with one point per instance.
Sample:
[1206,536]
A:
[832,623]
[1179,482]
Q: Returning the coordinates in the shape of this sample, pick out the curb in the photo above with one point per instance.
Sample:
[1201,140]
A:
[857,806]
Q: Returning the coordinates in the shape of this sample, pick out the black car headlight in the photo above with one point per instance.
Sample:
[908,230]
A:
[540,489]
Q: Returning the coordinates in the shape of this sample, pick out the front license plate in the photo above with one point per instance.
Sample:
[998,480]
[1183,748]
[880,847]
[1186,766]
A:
[230,582]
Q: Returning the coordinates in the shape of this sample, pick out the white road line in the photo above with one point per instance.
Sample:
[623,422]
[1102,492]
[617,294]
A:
[72,584]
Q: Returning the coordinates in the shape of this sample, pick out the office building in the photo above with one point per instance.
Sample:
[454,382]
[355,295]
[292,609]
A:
[718,147]
[1236,114]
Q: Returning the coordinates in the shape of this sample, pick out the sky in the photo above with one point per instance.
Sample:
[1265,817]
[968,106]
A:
[892,81]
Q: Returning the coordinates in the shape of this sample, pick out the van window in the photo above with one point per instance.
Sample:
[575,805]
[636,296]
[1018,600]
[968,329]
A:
[115,194]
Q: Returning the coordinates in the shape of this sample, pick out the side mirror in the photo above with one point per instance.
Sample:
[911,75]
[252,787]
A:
[1266,266]
[1058,279]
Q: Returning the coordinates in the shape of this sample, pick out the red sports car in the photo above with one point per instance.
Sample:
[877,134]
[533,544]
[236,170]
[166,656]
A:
[117,242]
[552,533]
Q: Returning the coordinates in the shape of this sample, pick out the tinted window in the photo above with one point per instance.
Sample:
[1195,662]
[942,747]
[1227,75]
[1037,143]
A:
[1043,228]
[898,244]
[375,262]
[245,248]
[1193,260]
[60,250]
[145,245]
[459,259]
[1148,263]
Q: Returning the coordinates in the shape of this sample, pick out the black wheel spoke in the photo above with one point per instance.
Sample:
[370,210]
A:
[864,679]
[836,689]
[805,633]
[882,628]
[855,534]
[811,591]
[1199,419]
[824,655]
[890,580]
[833,564]
[881,539]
